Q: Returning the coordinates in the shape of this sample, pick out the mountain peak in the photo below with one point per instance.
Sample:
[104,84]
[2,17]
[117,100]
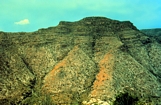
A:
[89,25]
[95,60]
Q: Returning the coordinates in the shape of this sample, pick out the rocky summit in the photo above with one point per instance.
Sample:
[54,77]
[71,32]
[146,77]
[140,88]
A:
[95,60]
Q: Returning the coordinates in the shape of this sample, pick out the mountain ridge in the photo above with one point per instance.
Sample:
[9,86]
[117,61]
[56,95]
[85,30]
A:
[93,60]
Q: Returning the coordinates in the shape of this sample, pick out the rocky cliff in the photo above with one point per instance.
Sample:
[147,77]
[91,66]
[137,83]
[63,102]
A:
[93,60]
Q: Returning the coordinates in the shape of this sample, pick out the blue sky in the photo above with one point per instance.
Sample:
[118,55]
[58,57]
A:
[30,15]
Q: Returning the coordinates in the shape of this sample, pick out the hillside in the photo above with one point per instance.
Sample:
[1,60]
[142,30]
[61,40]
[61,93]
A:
[93,60]
[153,33]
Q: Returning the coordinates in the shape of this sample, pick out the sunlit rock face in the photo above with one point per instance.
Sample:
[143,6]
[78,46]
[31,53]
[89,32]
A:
[92,60]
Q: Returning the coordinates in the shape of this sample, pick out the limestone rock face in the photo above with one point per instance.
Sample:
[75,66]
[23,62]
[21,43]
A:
[92,60]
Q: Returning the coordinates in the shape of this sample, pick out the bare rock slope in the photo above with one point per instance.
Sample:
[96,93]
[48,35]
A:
[94,60]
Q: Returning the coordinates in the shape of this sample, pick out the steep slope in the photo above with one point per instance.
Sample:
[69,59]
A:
[74,74]
[93,60]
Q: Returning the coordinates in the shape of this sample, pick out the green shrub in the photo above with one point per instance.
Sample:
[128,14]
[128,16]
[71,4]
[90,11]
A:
[125,99]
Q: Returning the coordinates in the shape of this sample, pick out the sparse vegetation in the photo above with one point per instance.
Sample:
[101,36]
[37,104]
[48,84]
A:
[37,97]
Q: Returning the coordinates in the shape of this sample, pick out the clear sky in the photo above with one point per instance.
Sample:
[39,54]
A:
[30,15]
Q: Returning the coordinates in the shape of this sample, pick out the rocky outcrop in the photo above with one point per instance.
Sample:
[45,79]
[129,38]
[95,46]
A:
[94,60]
